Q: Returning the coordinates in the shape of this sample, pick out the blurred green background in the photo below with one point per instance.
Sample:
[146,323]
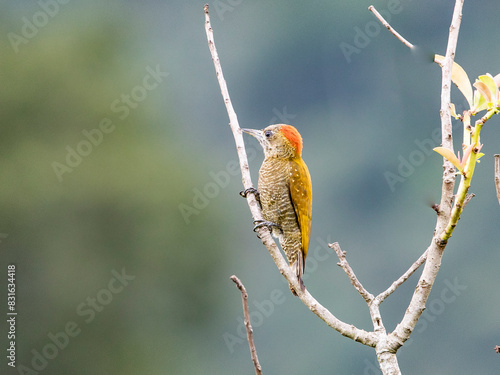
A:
[152,195]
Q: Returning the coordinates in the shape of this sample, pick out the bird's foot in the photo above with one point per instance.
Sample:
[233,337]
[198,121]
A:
[263,223]
[251,190]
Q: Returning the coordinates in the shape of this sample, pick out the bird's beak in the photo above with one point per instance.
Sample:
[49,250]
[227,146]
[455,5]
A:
[255,133]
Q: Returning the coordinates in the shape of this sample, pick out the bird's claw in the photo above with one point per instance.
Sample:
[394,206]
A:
[251,190]
[263,223]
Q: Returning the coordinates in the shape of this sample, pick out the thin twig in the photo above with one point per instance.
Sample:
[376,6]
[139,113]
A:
[368,297]
[251,344]
[415,266]
[348,330]
[233,121]
[497,175]
[467,199]
[389,27]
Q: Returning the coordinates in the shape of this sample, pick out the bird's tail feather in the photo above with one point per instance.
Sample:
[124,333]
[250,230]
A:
[298,268]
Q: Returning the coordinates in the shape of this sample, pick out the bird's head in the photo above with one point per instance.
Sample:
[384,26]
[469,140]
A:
[281,141]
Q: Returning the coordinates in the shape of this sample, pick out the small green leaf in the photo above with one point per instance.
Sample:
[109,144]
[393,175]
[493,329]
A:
[479,103]
[489,81]
[449,155]
[459,78]
[484,91]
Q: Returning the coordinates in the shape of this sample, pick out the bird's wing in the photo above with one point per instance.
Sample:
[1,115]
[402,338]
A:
[301,194]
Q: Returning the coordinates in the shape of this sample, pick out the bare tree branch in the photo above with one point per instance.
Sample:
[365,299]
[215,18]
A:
[497,175]
[251,344]
[437,246]
[348,330]
[386,345]
[372,9]
[233,120]
[415,266]
[368,297]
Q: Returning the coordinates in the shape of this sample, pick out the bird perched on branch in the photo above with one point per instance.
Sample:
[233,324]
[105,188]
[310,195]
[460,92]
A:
[285,192]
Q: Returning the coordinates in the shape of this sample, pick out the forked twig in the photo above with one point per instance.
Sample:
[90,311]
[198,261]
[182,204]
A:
[372,9]
[248,326]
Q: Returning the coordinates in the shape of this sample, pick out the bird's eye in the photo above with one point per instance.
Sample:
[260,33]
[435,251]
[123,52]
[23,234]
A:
[268,133]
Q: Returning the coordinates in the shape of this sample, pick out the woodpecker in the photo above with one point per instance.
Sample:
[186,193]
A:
[285,193]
